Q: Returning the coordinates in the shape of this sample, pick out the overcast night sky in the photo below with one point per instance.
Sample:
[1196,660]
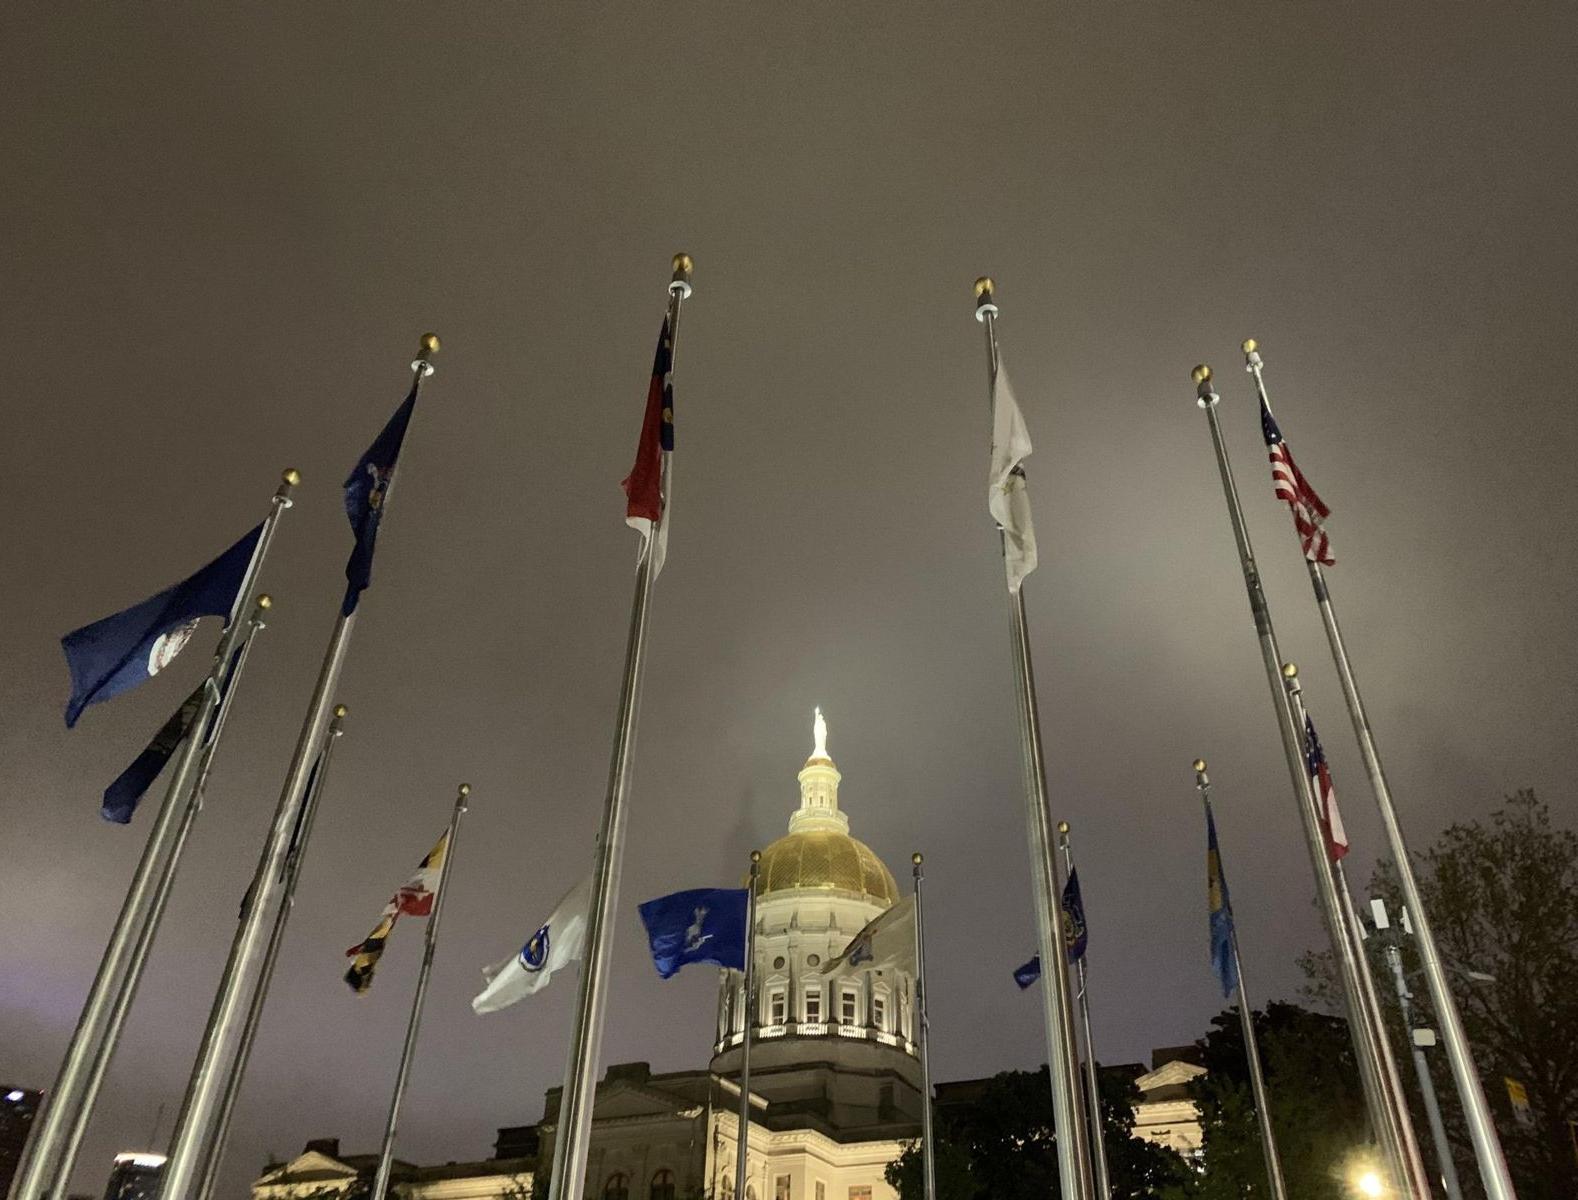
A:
[225,228]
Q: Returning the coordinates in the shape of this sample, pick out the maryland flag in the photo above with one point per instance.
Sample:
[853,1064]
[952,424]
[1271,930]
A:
[414,899]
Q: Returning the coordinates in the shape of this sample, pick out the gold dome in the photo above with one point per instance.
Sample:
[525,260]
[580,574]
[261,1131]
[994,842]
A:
[827,860]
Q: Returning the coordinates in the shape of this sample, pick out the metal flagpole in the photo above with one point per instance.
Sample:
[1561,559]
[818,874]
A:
[1074,1181]
[1098,1144]
[194,1123]
[1375,1024]
[742,1140]
[1292,747]
[1427,1087]
[386,1151]
[309,811]
[46,1167]
[923,1033]
[1476,1109]
[1246,1018]
[573,1135]
[161,898]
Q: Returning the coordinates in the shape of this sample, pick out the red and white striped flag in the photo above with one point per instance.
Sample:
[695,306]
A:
[1309,510]
[1325,793]
[648,487]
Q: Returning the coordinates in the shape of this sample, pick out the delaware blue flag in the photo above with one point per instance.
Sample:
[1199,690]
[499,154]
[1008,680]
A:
[114,655]
[1221,912]
[365,489]
[1026,975]
[1074,932]
[703,925]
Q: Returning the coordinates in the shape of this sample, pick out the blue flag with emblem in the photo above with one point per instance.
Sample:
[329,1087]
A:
[115,654]
[365,489]
[1026,975]
[703,925]
[1221,907]
[1074,932]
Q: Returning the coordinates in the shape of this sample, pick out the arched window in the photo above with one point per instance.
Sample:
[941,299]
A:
[728,1187]
[663,1185]
[617,1187]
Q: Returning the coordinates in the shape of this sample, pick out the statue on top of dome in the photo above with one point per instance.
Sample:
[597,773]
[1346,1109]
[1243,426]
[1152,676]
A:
[819,729]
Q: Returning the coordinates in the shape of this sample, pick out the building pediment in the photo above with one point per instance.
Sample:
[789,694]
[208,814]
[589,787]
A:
[622,1101]
[1168,1075]
[312,1167]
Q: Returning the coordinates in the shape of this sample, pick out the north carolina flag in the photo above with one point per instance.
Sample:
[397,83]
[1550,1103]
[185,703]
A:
[648,487]
[414,899]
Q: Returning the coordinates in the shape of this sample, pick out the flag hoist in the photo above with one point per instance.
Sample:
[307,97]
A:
[1230,969]
[1076,936]
[1010,508]
[367,493]
[1291,487]
[647,510]
[249,1031]
[1382,1122]
[923,1036]
[192,738]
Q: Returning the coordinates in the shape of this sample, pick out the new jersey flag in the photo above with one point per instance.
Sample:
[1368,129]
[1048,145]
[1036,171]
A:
[1006,495]
[1325,793]
[415,899]
[559,941]
[648,487]
[114,655]
[1075,934]
[887,940]
[703,925]
[365,489]
[1221,908]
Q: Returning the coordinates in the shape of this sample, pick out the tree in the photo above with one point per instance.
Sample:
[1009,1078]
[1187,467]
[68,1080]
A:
[1502,896]
[1002,1147]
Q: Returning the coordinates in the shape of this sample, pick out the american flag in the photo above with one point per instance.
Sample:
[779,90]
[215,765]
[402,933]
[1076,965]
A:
[1309,510]
[1325,794]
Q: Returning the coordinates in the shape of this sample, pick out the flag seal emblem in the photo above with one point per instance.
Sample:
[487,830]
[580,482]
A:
[167,645]
[534,954]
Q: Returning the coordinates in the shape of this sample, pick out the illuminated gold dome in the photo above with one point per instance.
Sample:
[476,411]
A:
[829,860]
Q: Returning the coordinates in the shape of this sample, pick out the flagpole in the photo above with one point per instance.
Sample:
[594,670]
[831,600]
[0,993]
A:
[742,1140]
[929,1152]
[161,898]
[1073,1171]
[1098,1144]
[46,1166]
[309,812]
[193,1126]
[1246,1018]
[1292,748]
[1476,1109]
[386,1151]
[573,1135]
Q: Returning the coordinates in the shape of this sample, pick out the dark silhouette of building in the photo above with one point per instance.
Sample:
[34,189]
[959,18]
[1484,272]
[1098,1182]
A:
[18,1107]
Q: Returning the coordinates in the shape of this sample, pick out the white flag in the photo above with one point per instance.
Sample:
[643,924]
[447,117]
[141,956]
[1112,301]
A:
[886,941]
[1006,495]
[560,941]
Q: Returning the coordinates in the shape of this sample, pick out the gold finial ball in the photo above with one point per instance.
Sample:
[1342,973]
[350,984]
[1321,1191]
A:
[984,286]
[1062,826]
[265,600]
[430,343]
[683,262]
[465,789]
[1200,374]
[341,710]
[1250,345]
[1290,670]
[756,856]
[1199,765]
[291,476]
[917,858]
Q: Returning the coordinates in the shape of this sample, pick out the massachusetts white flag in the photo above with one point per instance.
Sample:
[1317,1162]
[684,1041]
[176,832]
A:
[885,941]
[559,942]
[1006,495]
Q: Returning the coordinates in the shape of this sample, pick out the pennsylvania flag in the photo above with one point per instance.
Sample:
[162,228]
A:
[115,654]
[648,487]
[1075,935]
[365,490]
[415,899]
[1221,912]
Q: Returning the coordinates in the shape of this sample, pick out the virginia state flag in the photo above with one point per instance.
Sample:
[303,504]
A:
[1221,908]
[115,654]
[703,925]
[648,487]
[365,490]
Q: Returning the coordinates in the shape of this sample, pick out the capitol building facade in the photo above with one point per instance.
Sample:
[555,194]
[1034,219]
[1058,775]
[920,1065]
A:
[835,1078]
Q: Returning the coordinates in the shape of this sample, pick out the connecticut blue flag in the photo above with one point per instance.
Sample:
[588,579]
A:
[1221,912]
[365,490]
[114,655]
[703,925]
[1026,975]
[1075,934]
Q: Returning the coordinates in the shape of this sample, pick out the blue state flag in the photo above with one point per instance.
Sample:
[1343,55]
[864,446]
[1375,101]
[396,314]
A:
[1026,975]
[1075,934]
[1221,907]
[703,925]
[114,655]
[122,797]
[365,489]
